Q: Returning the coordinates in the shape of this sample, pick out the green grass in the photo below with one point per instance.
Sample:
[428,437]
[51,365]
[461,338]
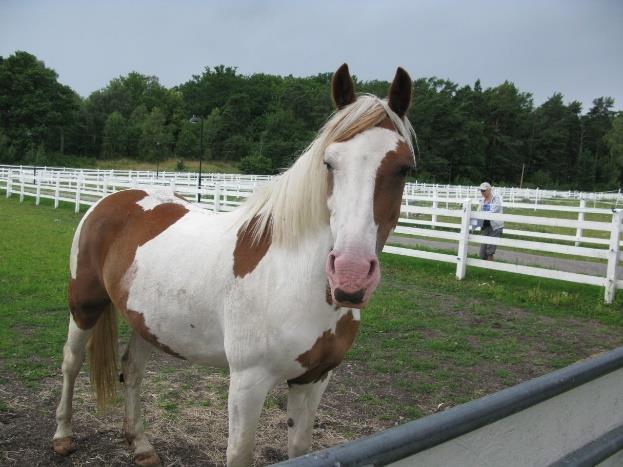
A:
[169,165]
[433,336]
[34,258]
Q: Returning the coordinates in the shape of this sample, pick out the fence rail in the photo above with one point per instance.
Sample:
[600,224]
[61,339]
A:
[569,417]
[442,218]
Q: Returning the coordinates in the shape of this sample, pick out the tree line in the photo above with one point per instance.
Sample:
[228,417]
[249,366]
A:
[466,134]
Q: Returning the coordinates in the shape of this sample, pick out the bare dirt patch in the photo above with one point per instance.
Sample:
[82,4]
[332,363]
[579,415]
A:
[185,406]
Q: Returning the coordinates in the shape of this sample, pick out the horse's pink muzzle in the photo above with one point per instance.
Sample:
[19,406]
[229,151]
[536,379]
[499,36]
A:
[352,278]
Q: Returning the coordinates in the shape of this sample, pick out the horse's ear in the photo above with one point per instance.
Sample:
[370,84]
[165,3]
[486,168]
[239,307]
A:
[342,87]
[400,92]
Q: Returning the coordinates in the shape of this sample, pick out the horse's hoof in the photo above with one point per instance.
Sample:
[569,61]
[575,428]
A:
[147,459]
[64,446]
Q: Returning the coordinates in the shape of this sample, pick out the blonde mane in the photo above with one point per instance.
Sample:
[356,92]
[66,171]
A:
[295,202]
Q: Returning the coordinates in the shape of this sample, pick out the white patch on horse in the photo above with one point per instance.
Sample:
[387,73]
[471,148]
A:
[75,243]
[168,281]
[157,197]
[355,163]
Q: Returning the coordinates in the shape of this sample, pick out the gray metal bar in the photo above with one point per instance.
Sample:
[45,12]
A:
[594,452]
[408,439]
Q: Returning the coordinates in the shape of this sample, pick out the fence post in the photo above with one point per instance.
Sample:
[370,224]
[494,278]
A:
[21,191]
[38,195]
[434,217]
[613,256]
[578,231]
[57,190]
[217,197]
[461,255]
[536,197]
[78,188]
[9,183]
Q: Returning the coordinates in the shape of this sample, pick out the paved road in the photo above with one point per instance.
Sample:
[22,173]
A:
[516,257]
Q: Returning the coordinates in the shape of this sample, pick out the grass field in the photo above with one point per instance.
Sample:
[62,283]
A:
[426,342]
[169,165]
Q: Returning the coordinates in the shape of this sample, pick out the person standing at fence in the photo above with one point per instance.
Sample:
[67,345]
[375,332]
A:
[490,202]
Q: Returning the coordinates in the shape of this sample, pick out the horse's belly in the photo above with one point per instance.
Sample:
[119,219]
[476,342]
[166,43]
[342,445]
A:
[179,291]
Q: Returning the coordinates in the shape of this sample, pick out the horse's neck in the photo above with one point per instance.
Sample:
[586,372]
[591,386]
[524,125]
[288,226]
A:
[318,242]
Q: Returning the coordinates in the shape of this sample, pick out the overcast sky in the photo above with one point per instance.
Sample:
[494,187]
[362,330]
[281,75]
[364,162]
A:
[571,46]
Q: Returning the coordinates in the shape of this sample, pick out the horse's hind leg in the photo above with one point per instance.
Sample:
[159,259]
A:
[303,401]
[133,365]
[73,357]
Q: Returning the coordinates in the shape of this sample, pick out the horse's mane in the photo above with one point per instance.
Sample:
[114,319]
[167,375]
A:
[295,202]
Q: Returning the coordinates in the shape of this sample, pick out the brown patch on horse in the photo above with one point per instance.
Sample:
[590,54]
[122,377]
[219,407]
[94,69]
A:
[109,238]
[328,351]
[387,124]
[388,188]
[250,251]
[137,321]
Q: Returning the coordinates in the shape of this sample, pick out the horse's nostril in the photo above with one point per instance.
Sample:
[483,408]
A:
[332,263]
[373,265]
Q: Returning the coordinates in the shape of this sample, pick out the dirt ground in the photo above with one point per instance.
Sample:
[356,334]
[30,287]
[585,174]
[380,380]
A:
[185,405]
[185,415]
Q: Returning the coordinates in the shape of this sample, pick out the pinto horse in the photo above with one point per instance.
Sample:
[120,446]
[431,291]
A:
[272,290]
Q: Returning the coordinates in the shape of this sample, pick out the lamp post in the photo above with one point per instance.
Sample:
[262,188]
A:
[196,119]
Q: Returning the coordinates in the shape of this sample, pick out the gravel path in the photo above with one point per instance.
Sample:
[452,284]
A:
[509,256]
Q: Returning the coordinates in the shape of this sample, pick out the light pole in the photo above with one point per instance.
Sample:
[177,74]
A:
[196,119]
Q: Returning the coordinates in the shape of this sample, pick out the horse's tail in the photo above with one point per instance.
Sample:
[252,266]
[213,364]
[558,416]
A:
[103,358]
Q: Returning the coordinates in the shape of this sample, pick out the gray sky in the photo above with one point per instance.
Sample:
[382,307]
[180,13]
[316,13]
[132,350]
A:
[571,46]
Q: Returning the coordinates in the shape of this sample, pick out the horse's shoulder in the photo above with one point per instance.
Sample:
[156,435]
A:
[328,350]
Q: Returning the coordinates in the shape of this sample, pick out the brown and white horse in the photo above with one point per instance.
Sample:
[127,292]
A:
[271,291]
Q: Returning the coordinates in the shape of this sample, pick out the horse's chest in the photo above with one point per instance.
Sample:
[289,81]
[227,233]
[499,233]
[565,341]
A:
[328,351]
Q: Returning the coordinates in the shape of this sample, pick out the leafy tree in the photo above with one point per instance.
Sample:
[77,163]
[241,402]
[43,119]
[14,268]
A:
[155,139]
[115,136]
[614,141]
[256,164]
[33,102]
[187,141]
[136,124]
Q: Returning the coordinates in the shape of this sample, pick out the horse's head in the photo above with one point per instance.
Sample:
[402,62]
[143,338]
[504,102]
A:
[366,174]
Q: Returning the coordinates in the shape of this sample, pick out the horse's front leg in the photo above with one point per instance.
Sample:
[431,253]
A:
[303,401]
[247,392]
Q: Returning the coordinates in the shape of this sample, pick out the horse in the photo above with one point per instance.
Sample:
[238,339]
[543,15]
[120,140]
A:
[273,290]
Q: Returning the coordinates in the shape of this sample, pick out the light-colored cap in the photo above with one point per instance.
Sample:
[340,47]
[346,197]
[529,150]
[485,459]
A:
[484,186]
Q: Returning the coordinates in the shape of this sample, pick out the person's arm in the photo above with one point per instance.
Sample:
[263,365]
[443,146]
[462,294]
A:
[496,204]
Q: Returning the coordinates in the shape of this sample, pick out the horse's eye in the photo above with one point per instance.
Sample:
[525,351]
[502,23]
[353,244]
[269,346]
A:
[329,166]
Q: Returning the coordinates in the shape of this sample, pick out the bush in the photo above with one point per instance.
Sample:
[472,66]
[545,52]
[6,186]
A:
[256,164]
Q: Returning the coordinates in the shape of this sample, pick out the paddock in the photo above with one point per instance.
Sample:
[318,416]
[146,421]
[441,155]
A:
[582,227]
[427,342]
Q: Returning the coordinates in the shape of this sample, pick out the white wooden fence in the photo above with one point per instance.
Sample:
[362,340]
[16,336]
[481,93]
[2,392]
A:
[420,216]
